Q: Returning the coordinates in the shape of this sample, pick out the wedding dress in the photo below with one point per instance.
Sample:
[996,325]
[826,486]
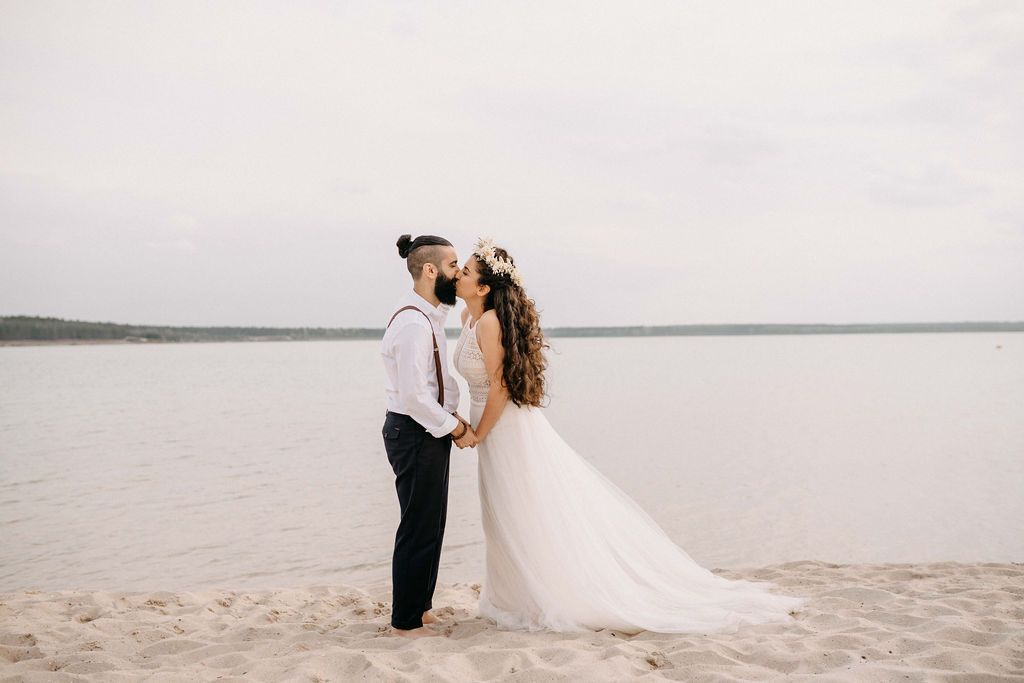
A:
[567,550]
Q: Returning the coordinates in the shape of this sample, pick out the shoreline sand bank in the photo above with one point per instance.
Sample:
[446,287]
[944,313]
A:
[929,621]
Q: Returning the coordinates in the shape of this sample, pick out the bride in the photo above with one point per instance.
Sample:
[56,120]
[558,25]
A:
[567,550]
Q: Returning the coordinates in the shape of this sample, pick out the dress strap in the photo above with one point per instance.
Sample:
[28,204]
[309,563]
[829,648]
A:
[437,353]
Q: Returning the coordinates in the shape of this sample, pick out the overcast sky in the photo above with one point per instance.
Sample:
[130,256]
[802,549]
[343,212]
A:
[645,163]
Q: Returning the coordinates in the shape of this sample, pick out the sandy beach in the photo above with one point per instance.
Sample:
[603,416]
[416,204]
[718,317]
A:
[879,622]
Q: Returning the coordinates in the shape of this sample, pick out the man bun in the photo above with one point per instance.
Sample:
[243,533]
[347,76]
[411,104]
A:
[404,245]
[421,250]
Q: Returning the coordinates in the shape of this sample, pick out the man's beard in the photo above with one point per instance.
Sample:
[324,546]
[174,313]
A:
[444,289]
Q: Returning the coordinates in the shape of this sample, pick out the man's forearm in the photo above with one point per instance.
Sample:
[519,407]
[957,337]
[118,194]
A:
[436,420]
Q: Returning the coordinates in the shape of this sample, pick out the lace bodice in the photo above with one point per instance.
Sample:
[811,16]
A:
[469,362]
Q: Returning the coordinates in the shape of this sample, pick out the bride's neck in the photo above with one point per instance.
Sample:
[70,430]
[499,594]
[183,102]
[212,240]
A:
[475,308]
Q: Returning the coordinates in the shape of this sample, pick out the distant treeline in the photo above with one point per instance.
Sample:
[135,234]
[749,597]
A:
[782,328]
[29,328]
[22,328]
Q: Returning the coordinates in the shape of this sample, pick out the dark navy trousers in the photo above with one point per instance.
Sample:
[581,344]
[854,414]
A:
[420,463]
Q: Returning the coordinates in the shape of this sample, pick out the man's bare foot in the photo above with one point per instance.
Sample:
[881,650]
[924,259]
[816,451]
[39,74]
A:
[429,618]
[421,632]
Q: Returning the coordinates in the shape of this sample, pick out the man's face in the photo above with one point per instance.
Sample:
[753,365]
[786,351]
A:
[447,276]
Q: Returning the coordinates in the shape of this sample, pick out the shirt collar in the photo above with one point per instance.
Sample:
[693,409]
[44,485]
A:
[438,313]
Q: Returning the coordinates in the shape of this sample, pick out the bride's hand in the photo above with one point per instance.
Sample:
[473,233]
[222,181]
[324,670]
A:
[468,439]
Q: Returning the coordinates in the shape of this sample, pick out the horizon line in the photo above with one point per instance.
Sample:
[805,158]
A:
[634,325]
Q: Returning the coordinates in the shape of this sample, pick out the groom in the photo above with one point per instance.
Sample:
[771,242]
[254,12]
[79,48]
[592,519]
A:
[420,425]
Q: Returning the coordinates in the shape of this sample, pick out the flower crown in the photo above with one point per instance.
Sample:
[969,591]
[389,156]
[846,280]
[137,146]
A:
[485,250]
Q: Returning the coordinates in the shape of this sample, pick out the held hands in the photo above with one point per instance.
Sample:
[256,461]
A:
[467,439]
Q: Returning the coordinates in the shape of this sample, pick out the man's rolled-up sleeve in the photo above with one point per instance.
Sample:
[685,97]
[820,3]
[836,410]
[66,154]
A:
[414,352]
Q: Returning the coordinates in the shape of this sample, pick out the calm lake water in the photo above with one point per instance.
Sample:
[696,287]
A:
[257,465]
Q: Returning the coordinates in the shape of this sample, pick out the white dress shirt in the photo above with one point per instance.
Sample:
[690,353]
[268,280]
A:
[408,352]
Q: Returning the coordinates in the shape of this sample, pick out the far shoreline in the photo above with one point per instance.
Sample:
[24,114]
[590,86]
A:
[24,330]
[555,333]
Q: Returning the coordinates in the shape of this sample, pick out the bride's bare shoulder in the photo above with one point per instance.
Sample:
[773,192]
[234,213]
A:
[488,324]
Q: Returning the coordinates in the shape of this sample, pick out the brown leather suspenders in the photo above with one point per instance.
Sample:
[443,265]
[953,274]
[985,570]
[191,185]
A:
[437,353]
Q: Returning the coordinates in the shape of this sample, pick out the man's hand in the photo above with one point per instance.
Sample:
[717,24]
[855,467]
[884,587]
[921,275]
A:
[468,439]
[462,428]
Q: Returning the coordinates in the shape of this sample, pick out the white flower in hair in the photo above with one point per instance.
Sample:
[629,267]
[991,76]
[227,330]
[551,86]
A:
[485,250]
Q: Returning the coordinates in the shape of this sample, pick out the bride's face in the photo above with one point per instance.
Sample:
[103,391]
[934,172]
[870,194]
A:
[468,287]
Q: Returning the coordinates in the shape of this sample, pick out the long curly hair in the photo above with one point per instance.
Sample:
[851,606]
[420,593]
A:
[524,366]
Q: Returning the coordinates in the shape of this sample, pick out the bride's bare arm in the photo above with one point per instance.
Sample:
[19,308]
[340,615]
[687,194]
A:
[488,336]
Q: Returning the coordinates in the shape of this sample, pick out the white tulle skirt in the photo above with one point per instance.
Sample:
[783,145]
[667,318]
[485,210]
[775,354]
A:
[567,550]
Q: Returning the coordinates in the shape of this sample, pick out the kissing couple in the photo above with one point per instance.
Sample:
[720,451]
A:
[566,549]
